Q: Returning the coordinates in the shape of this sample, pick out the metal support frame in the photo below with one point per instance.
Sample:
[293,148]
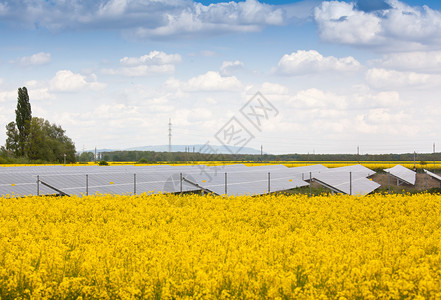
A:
[310,182]
[350,183]
[333,189]
[134,184]
[55,189]
[226,184]
[269,182]
[198,186]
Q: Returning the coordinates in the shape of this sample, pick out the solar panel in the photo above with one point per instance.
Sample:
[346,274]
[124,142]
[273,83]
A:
[358,169]
[402,174]
[250,181]
[309,171]
[347,182]
[434,176]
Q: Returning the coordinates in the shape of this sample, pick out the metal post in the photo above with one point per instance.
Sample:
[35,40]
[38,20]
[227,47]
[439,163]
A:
[180,184]
[389,181]
[226,185]
[350,183]
[310,182]
[269,182]
[38,185]
[134,184]
[87,185]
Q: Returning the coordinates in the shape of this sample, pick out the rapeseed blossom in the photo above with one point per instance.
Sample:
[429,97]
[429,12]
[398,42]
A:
[189,246]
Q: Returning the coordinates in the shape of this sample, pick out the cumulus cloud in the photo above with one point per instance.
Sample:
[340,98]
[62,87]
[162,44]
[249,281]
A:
[40,58]
[315,98]
[229,67]
[425,61]
[141,18]
[210,81]
[213,81]
[7,95]
[384,116]
[246,16]
[67,81]
[269,88]
[156,62]
[398,26]
[392,79]
[307,62]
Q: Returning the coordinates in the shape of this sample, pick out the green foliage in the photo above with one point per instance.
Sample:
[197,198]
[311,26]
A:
[48,142]
[103,163]
[12,138]
[86,157]
[143,161]
[23,117]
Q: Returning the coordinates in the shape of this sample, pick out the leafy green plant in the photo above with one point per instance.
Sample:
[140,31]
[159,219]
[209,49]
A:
[103,163]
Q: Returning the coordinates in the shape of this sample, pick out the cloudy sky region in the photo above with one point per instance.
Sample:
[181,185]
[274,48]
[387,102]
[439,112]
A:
[341,74]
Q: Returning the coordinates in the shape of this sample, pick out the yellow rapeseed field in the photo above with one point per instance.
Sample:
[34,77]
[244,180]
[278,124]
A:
[206,247]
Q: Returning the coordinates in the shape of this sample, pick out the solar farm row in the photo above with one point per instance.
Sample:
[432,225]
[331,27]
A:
[227,180]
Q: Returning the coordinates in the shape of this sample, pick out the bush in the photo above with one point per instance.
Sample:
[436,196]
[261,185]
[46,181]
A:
[143,161]
[103,163]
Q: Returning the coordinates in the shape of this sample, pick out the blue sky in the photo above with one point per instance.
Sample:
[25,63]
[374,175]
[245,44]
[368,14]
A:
[340,74]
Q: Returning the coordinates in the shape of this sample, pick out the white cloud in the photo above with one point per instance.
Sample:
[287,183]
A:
[400,27]
[229,67]
[246,16]
[40,58]
[269,88]
[156,62]
[141,18]
[213,81]
[210,81]
[425,61]
[384,116]
[307,62]
[315,98]
[391,79]
[8,95]
[341,22]
[153,58]
[67,81]
[112,8]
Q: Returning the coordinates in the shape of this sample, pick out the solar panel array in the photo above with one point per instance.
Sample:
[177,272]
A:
[129,179]
[236,179]
[403,174]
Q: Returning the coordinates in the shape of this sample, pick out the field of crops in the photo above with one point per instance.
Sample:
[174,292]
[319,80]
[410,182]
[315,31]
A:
[190,246]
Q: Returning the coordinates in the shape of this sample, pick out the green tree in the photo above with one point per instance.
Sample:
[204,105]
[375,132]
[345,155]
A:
[86,157]
[12,138]
[48,142]
[23,117]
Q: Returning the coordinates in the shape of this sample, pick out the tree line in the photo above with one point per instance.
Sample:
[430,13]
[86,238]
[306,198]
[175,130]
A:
[33,139]
[153,157]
